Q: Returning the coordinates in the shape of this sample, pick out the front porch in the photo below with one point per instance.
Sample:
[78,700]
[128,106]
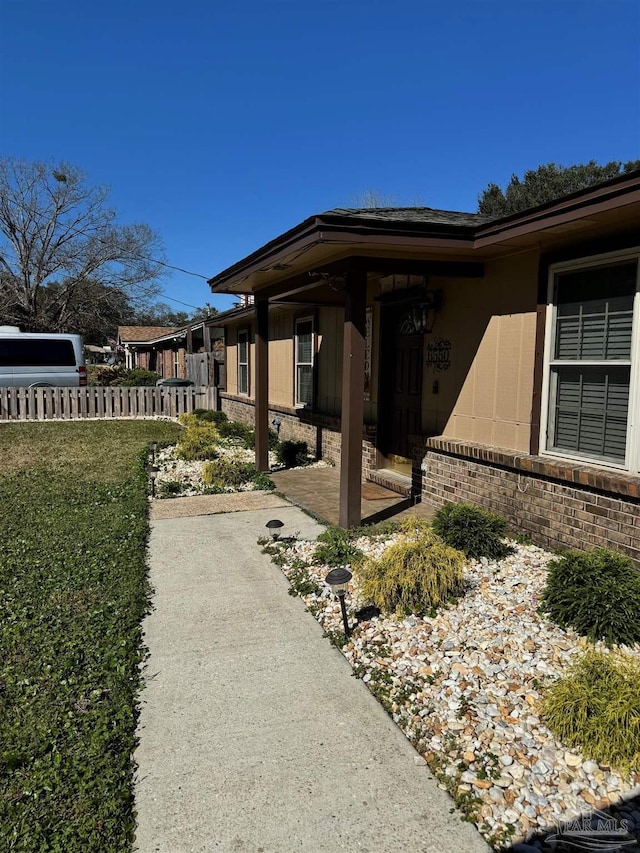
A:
[317,491]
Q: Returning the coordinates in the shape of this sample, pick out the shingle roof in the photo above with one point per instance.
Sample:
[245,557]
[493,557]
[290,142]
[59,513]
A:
[143,333]
[426,215]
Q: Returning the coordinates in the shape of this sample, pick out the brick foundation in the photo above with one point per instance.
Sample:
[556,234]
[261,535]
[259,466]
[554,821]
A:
[559,505]
[321,432]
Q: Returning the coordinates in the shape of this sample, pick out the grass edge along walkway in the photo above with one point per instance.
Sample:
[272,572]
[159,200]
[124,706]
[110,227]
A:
[73,592]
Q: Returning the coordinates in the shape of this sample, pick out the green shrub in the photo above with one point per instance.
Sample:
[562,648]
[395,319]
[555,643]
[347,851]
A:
[291,454]
[414,575]
[228,472]
[241,433]
[596,708]
[119,375]
[381,528]
[198,441]
[137,378]
[473,530]
[170,488]
[596,594]
[211,416]
[262,481]
[335,548]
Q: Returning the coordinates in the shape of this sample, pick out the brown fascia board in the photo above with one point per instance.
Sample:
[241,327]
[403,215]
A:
[210,321]
[337,229]
[234,314]
[179,333]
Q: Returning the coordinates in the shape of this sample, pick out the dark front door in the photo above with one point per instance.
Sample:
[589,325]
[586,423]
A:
[401,393]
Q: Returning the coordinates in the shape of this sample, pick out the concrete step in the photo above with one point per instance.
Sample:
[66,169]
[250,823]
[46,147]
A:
[392,480]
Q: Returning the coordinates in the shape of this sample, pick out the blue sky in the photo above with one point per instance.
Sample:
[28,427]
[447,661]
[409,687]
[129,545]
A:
[223,124]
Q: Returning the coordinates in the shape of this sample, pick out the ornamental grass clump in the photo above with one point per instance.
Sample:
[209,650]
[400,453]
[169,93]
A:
[200,440]
[595,593]
[596,708]
[475,531]
[416,574]
[232,472]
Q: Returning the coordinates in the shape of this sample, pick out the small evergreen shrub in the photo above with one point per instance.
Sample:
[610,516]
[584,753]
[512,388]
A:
[170,488]
[414,575]
[138,378]
[211,416]
[595,593]
[199,440]
[475,531]
[335,548]
[291,454]
[239,432]
[596,708]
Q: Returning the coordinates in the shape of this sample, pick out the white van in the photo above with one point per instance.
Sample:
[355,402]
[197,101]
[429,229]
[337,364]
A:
[40,359]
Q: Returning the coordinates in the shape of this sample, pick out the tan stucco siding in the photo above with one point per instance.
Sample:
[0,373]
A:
[486,394]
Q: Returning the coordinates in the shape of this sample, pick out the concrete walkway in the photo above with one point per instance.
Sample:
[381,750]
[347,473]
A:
[253,736]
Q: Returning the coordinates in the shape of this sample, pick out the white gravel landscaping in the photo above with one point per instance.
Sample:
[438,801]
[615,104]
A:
[465,687]
[172,469]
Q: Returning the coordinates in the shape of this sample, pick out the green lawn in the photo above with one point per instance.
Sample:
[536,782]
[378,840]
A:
[73,591]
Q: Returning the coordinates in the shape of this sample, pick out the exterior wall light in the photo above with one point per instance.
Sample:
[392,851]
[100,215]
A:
[338,580]
[274,527]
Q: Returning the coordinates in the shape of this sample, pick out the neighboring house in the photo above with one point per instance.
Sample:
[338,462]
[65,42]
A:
[167,359]
[496,362]
[195,351]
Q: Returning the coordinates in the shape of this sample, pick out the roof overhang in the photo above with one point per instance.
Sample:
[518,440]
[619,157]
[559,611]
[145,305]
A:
[327,243]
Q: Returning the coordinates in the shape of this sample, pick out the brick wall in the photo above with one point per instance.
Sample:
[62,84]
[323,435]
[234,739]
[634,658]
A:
[321,432]
[558,505]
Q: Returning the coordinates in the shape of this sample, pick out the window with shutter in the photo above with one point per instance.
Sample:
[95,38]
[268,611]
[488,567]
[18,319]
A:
[304,363]
[592,361]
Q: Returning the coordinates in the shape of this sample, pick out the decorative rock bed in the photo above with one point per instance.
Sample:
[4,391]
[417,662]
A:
[464,686]
[188,475]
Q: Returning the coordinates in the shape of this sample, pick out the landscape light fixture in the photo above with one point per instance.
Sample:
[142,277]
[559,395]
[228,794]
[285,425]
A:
[152,471]
[338,580]
[273,527]
[154,449]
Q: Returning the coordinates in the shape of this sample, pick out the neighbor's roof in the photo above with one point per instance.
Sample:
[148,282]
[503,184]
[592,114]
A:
[135,334]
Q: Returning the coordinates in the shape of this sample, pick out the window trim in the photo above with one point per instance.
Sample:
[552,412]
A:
[307,318]
[632,450]
[244,331]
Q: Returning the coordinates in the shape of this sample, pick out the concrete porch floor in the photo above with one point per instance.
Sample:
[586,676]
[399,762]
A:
[317,490]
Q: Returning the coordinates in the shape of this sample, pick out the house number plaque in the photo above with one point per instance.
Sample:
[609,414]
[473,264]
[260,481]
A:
[438,354]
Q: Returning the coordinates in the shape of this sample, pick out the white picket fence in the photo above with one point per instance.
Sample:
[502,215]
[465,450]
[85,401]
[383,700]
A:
[43,404]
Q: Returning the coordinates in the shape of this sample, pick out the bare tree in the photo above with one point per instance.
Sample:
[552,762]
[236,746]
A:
[56,228]
[372,198]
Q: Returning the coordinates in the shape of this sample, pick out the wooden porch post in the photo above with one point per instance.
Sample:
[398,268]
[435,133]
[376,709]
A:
[262,384]
[352,398]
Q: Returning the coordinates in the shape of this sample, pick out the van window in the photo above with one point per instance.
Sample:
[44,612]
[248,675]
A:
[44,352]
